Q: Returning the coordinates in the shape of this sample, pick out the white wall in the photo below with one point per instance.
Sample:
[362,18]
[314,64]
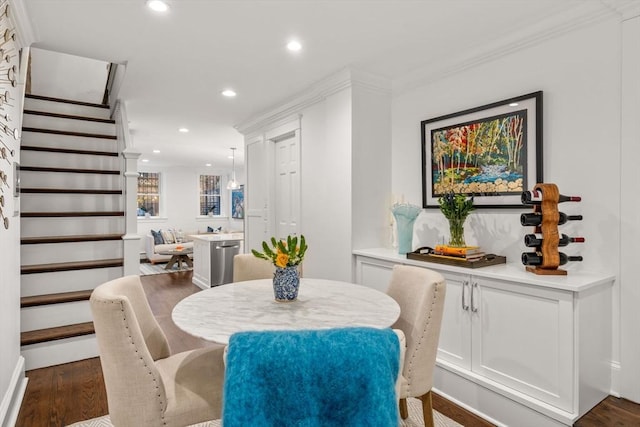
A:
[180,202]
[579,74]
[325,173]
[12,380]
[630,206]
[50,76]
[371,172]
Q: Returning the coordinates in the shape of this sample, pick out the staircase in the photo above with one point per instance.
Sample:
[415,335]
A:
[72,223]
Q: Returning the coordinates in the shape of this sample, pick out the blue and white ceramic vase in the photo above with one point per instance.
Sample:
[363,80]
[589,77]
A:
[286,282]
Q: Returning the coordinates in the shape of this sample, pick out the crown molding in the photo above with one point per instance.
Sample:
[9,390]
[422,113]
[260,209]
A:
[627,9]
[583,15]
[317,92]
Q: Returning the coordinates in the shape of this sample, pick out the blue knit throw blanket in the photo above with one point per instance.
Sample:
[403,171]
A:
[329,378]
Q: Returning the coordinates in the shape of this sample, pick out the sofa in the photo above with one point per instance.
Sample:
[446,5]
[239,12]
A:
[166,240]
[169,239]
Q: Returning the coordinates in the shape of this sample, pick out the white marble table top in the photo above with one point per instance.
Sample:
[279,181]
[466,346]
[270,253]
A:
[217,313]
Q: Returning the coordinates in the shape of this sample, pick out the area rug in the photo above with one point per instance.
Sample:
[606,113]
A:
[146,268]
[415,419]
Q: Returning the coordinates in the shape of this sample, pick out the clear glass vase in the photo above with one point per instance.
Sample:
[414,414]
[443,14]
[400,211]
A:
[405,215]
[456,232]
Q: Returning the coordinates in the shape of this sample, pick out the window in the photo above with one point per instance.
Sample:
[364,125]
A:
[209,195]
[149,194]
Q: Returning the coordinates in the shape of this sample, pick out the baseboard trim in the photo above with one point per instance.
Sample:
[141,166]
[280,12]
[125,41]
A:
[468,408]
[615,379]
[12,400]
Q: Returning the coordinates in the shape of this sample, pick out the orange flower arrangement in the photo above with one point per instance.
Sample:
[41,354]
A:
[283,253]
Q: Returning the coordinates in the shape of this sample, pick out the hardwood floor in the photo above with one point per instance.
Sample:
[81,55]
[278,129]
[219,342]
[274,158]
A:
[60,395]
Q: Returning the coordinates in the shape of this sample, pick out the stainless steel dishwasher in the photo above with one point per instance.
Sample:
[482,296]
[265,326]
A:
[222,253]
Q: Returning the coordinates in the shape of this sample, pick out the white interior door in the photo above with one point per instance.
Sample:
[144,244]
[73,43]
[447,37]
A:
[287,184]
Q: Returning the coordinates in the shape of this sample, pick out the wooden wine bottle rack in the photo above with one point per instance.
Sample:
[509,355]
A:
[549,230]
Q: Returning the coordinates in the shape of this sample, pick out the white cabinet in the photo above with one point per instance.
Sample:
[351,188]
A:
[213,258]
[518,335]
[202,264]
[520,349]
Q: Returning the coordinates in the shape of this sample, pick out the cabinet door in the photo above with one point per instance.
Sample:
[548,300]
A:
[455,333]
[373,273]
[201,262]
[256,198]
[522,337]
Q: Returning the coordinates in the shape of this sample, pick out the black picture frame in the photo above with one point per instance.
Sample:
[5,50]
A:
[492,152]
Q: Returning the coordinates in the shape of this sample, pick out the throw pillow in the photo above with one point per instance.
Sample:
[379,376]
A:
[168,236]
[157,237]
[209,229]
[179,234]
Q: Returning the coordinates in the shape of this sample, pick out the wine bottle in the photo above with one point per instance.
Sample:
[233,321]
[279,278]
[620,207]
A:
[535,240]
[535,198]
[535,218]
[536,258]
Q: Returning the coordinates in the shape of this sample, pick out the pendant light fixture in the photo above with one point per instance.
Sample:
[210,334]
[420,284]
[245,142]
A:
[233,183]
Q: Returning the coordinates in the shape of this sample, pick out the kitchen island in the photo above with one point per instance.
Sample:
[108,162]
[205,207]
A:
[213,258]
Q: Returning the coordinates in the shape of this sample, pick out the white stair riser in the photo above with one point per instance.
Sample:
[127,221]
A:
[70,181]
[54,315]
[80,161]
[40,139]
[70,252]
[70,202]
[66,281]
[68,125]
[75,225]
[59,351]
[65,108]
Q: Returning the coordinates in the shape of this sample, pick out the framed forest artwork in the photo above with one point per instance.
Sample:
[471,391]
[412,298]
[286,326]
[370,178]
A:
[492,152]
[237,203]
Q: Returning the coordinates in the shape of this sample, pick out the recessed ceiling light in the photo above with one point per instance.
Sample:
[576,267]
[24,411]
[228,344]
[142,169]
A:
[229,93]
[157,5]
[207,164]
[513,104]
[156,151]
[145,160]
[183,130]
[294,46]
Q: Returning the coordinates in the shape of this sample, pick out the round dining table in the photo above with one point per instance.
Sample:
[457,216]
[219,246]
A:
[215,314]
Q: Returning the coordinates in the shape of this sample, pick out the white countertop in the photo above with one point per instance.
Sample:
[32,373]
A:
[215,237]
[216,313]
[575,280]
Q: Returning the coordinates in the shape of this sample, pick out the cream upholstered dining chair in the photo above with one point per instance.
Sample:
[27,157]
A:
[250,267]
[146,384]
[420,293]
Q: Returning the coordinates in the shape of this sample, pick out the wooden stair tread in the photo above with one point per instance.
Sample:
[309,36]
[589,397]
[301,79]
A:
[67,191]
[69,133]
[57,333]
[68,116]
[70,239]
[69,214]
[62,297]
[68,150]
[65,101]
[69,170]
[69,266]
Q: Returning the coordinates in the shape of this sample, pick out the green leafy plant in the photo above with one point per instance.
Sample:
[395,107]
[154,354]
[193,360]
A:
[455,205]
[283,253]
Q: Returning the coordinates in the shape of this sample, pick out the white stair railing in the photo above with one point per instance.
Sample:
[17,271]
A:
[131,238]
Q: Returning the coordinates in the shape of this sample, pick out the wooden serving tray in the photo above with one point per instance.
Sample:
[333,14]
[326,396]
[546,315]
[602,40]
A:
[487,260]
